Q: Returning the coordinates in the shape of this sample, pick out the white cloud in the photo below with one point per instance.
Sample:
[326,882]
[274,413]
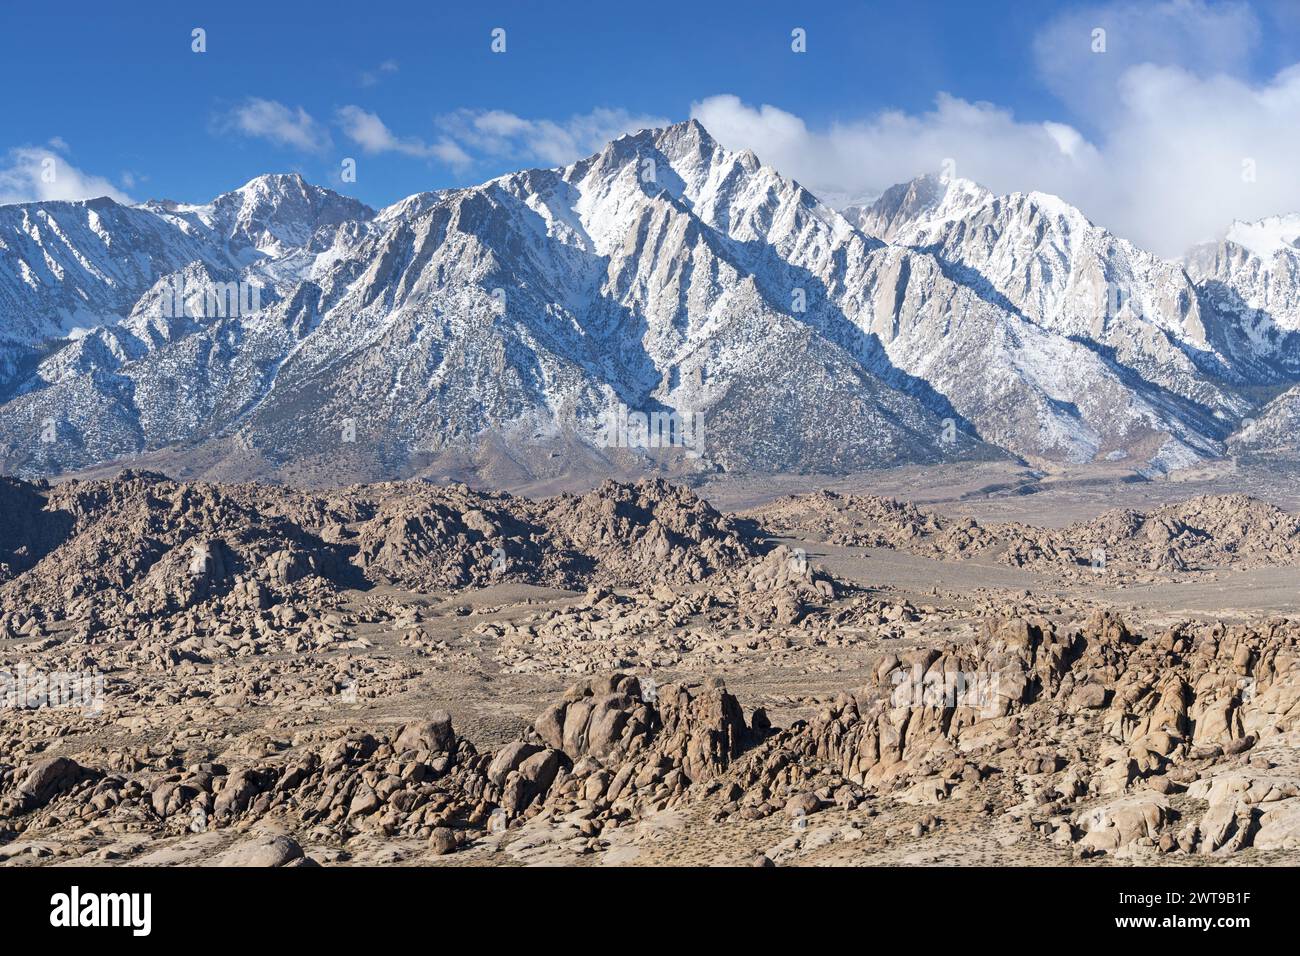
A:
[1203,38]
[497,134]
[855,161]
[468,137]
[1174,121]
[273,121]
[372,77]
[32,174]
[1177,159]
[369,132]
[1166,172]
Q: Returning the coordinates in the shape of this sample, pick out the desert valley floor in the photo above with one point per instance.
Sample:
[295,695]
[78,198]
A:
[967,665]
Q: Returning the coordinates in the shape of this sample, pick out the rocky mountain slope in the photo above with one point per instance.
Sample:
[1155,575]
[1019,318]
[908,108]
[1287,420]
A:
[1274,431]
[1252,278]
[664,276]
[1045,261]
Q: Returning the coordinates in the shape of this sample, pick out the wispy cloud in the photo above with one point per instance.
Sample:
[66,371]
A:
[469,137]
[34,173]
[373,77]
[497,134]
[369,132]
[277,123]
[1084,70]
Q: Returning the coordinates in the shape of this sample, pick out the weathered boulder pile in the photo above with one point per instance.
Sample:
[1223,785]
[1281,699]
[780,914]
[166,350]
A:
[142,545]
[264,675]
[1120,743]
[768,602]
[1097,738]
[603,751]
[1202,533]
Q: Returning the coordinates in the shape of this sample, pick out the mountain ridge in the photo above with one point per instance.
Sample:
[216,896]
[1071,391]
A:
[665,274]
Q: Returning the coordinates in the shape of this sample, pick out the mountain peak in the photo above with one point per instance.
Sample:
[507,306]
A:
[932,196]
[279,187]
[684,157]
[275,184]
[691,129]
[676,141]
[1267,237]
[278,179]
[270,213]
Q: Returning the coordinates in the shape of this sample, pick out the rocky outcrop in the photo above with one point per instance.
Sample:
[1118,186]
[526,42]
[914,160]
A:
[1199,534]
[603,747]
[143,544]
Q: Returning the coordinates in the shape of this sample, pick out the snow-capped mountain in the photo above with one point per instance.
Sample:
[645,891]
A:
[68,268]
[1252,278]
[664,275]
[1273,431]
[1043,259]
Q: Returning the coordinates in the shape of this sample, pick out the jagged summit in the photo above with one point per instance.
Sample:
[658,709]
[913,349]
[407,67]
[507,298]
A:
[927,198]
[1267,237]
[90,202]
[1041,257]
[275,213]
[1251,277]
[277,182]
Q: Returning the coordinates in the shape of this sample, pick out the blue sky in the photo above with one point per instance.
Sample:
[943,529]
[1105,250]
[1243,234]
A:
[413,92]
